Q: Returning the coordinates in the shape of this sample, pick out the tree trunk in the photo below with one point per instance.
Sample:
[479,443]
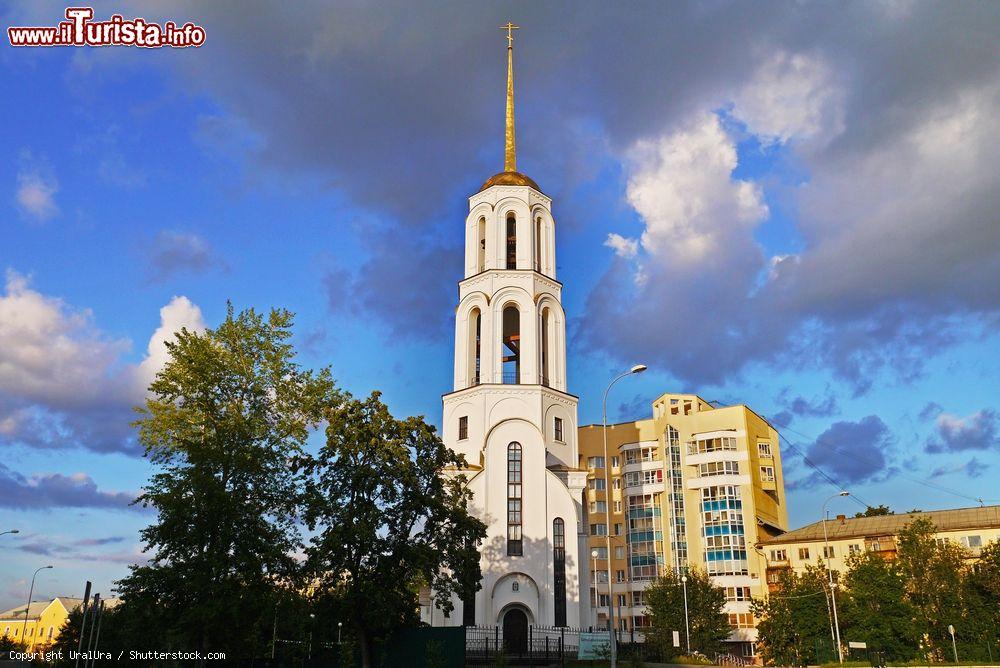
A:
[364,643]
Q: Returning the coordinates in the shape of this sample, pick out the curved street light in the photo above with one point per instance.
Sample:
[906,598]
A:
[638,368]
[10,531]
[829,573]
[31,590]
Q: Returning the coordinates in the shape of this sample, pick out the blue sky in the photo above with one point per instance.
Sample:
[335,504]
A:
[763,211]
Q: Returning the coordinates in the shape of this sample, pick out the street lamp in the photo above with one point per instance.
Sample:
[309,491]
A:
[687,625]
[312,624]
[829,572]
[11,531]
[31,590]
[597,595]
[340,625]
[638,368]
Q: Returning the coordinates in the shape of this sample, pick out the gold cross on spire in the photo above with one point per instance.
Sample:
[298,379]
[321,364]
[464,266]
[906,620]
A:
[510,28]
[509,152]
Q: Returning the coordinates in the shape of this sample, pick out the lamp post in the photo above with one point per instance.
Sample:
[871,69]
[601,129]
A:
[312,624]
[10,531]
[597,595]
[638,368]
[829,572]
[340,626]
[31,590]
[687,624]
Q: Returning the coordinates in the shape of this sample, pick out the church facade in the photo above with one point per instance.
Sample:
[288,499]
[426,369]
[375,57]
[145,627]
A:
[510,412]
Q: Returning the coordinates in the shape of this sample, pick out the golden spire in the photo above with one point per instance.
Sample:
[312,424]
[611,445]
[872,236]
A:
[509,154]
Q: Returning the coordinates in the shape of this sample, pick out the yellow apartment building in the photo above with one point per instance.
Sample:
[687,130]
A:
[972,528]
[44,621]
[694,485]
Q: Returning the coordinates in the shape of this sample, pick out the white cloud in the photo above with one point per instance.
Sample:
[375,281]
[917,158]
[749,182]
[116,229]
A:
[623,247]
[36,193]
[792,96]
[180,313]
[682,186]
[65,383]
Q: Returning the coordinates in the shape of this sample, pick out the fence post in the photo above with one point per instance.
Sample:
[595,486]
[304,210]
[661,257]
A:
[496,639]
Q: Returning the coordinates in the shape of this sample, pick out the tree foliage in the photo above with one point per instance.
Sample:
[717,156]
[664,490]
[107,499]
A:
[226,415]
[900,605]
[708,622]
[386,520]
[794,627]
[875,511]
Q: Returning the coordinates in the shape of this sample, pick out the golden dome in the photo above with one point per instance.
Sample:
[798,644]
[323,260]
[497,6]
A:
[510,179]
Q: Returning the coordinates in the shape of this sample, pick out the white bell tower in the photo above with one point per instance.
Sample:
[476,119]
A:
[510,413]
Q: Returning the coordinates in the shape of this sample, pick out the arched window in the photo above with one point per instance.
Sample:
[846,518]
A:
[511,345]
[514,545]
[559,570]
[475,347]
[481,245]
[538,244]
[511,241]
[544,366]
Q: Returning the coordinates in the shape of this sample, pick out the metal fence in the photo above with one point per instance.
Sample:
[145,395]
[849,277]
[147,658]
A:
[542,644]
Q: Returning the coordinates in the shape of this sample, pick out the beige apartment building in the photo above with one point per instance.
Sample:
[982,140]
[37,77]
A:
[695,485]
[972,528]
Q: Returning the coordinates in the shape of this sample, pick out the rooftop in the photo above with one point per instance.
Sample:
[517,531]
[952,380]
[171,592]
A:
[986,517]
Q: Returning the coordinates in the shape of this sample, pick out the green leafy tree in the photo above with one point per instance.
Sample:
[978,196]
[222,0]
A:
[389,511]
[874,608]
[932,572]
[794,620]
[709,624]
[875,511]
[978,632]
[227,414]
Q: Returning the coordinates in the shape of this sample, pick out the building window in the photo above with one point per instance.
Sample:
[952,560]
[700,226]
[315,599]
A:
[828,552]
[558,428]
[597,484]
[804,553]
[621,601]
[619,552]
[638,599]
[599,530]
[971,541]
[615,462]
[514,545]
[618,528]
[737,593]
[773,577]
[617,483]
[598,506]
[779,555]
[764,449]
[618,506]
[463,428]
[481,247]
[620,577]
[538,247]
[595,462]
[603,600]
[511,241]
[767,473]
[559,569]
[719,468]
[602,553]
[853,548]
[742,620]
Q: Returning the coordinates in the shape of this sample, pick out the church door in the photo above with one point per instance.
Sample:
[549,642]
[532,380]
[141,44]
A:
[515,631]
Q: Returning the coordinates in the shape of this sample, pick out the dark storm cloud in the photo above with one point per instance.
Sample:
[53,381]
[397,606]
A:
[54,490]
[800,406]
[972,468]
[401,111]
[851,452]
[979,431]
[172,253]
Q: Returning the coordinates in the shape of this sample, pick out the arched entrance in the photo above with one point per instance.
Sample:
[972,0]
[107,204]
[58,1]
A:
[515,630]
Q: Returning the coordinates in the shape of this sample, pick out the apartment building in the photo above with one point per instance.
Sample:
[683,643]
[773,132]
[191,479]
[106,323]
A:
[972,528]
[693,485]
